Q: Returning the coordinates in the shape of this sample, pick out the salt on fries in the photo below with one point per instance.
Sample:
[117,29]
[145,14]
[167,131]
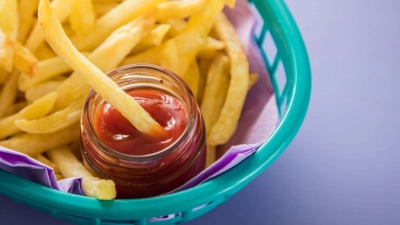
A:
[49,63]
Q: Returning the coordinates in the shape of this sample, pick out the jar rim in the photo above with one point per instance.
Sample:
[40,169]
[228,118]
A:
[191,110]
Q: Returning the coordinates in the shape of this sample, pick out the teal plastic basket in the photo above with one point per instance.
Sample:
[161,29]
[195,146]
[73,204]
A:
[293,95]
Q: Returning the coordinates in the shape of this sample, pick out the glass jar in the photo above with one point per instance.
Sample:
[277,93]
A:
[145,175]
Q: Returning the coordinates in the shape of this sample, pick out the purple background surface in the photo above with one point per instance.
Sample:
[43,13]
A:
[343,167]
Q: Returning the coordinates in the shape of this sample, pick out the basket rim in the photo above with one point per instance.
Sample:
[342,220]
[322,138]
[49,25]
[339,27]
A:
[223,185]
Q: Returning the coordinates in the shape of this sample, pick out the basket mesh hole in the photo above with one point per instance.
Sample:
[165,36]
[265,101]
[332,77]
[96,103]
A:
[280,78]
[269,48]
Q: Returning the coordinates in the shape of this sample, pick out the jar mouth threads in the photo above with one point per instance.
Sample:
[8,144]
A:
[153,172]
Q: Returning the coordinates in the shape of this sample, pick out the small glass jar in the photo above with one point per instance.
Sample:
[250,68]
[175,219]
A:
[138,176]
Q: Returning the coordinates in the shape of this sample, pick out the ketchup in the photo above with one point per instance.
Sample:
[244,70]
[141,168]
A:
[139,164]
[119,134]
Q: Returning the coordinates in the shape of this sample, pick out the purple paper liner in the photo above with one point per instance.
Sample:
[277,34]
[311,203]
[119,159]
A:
[258,120]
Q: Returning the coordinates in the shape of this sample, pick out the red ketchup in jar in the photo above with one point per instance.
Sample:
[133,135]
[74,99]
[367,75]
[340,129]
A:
[139,164]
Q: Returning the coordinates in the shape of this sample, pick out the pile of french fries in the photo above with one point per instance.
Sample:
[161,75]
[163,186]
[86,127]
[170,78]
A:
[53,53]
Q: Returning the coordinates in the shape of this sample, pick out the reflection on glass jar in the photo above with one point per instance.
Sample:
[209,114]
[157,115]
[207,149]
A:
[140,165]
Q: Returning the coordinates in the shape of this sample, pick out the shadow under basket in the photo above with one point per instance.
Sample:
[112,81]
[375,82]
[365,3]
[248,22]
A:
[287,62]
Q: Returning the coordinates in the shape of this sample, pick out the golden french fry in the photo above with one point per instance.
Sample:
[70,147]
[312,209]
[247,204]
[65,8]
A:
[6,52]
[101,8]
[3,76]
[177,26]
[170,56]
[47,70]
[180,9]
[118,16]
[39,143]
[253,78]
[205,21]
[119,44]
[192,77]
[62,9]
[238,85]
[82,16]
[211,48]
[26,12]
[215,91]
[15,108]
[102,84]
[40,90]
[230,3]
[210,155]
[8,92]
[187,42]
[24,60]
[41,158]
[59,176]
[54,122]
[153,38]
[43,52]
[9,18]
[204,65]
[71,167]
[35,110]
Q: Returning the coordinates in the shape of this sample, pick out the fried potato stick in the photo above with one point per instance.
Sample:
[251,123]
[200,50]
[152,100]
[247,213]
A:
[53,122]
[70,167]
[180,9]
[39,143]
[238,85]
[103,85]
[116,17]
[35,110]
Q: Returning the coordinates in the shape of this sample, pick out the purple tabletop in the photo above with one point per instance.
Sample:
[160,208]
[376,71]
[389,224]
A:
[343,166]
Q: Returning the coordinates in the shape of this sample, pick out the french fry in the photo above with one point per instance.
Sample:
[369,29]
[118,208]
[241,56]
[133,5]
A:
[24,60]
[204,65]
[103,85]
[6,52]
[8,92]
[40,90]
[211,48]
[15,108]
[180,9]
[47,70]
[238,85]
[62,9]
[43,52]
[9,18]
[70,167]
[3,76]
[59,176]
[39,143]
[35,110]
[215,91]
[177,26]
[119,44]
[153,38]
[210,155]
[205,21]
[54,122]
[41,158]
[118,16]
[253,78]
[192,77]
[187,42]
[26,11]
[82,16]
[101,8]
